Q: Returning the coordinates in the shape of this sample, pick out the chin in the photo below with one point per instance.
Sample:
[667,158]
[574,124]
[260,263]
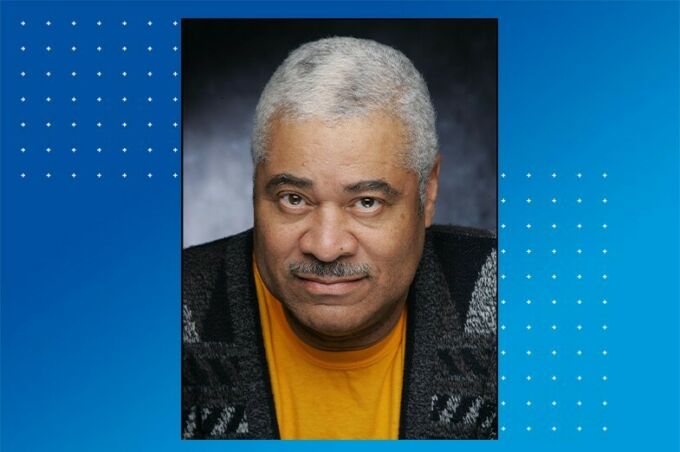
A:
[331,321]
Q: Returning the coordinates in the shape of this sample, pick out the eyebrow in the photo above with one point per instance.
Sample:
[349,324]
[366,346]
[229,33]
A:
[287,179]
[373,185]
[379,185]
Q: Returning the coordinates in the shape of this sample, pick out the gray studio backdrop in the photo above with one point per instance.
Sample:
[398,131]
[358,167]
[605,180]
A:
[226,63]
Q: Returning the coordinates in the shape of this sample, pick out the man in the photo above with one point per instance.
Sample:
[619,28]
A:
[343,313]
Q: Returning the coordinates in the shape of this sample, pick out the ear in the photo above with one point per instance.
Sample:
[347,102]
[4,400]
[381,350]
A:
[431,189]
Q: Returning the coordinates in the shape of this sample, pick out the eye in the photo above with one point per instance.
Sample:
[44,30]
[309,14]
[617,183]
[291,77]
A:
[368,205]
[292,200]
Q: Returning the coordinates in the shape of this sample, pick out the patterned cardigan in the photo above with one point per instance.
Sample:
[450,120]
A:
[450,371]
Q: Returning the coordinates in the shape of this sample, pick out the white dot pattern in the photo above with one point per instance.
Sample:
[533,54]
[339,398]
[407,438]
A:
[97,101]
[554,311]
[84,87]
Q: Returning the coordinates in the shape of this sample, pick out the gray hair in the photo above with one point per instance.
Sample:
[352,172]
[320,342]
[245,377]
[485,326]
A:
[341,77]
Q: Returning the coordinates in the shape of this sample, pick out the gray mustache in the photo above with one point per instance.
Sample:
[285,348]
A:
[337,269]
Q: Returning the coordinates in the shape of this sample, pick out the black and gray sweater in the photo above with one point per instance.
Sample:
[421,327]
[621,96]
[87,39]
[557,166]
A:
[450,372]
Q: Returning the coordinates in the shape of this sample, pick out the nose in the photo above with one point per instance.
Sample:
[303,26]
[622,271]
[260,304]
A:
[328,237]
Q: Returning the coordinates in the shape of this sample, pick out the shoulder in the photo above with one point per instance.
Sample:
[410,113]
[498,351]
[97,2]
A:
[463,252]
[201,264]
[453,376]
[209,271]
[206,255]
[460,239]
[469,261]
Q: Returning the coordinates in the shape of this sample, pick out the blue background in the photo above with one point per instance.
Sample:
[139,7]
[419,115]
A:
[90,310]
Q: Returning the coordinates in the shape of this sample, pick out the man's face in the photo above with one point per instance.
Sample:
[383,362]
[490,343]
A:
[338,235]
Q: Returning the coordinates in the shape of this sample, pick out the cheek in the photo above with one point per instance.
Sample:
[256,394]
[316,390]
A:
[276,241]
[395,250]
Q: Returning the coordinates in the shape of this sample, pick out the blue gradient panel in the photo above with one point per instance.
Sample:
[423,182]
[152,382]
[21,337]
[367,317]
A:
[588,223]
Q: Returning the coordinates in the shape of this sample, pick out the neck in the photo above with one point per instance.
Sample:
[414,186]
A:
[365,338]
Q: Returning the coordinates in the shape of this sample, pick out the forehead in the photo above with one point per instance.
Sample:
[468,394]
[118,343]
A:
[377,139]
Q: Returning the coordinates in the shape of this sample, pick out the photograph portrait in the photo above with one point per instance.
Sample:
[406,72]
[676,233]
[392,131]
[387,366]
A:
[339,222]
[339,212]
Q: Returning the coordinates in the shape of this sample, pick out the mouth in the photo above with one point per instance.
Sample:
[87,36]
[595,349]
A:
[330,286]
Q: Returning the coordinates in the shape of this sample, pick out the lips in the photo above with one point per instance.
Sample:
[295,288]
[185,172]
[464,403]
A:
[330,286]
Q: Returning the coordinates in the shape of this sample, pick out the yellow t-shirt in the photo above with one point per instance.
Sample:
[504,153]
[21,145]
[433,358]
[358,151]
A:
[331,395]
